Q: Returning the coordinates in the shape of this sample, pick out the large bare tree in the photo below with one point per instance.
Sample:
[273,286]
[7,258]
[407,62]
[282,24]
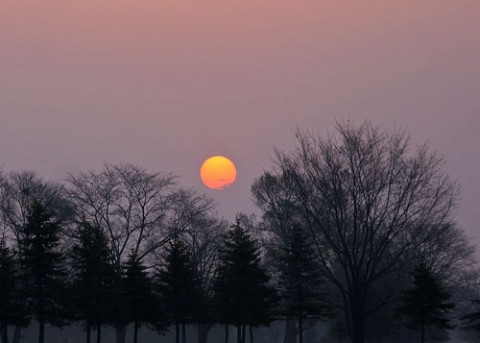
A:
[129,203]
[370,203]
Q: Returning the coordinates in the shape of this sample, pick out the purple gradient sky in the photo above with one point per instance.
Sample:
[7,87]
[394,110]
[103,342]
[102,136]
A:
[168,83]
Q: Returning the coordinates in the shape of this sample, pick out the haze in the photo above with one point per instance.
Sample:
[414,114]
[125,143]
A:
[166,84]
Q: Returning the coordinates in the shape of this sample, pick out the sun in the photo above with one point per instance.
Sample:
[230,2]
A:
[218,172]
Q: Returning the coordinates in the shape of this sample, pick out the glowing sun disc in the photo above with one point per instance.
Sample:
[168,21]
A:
[218,172]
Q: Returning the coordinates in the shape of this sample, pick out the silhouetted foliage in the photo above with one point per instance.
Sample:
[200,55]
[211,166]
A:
[141,303]
[12,303]
[242,293]
[95,288]
[180,287]
[425,303]
[301,281]
[342,216]
[43,266]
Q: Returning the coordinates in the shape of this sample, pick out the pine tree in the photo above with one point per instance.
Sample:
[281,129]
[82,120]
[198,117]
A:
[180,287]
[425,303]
[94,281]
[141,303]
[300,280]
[12,306]
[43,268]
[242,293]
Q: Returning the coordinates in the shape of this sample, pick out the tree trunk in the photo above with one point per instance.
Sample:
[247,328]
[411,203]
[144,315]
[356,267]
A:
[290,331]
[184,335]
[135,331]
[243,332]
[358,327]
[422,333]
[203,330]
[120,333]
[88,330]
[251,334]
[177,332]
[226,333]
[356,302]
[239,333]
[41,331]
[300,328]
[17,334]
[99,333]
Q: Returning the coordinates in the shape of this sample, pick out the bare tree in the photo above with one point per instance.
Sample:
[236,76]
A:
[129,203]
[18,190]
[369,202]
[140,211]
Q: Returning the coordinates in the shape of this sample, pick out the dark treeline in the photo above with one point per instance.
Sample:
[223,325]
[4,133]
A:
[357,232]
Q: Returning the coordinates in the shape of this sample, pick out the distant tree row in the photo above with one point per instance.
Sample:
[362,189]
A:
[356,231]
[84,283]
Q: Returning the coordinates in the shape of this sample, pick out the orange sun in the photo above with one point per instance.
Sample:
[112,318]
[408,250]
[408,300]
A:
[218,172]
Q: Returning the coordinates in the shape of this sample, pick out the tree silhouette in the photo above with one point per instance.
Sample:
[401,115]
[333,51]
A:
[180,286]
[242,293]
[300,280]
[141,303]
[425,303]
[369,202]
[12,305]
[43,268]
[94,279]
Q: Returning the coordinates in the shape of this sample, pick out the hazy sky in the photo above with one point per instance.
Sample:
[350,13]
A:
[167,83]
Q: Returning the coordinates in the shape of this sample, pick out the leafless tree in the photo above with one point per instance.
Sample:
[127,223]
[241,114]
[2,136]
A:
[140,211]
[201,228]
[17,191]
[129,203]
[369,202]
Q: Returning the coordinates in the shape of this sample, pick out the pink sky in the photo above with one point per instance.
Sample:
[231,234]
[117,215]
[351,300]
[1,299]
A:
[167,83]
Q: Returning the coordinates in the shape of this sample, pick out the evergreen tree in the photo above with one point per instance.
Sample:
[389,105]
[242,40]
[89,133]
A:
[141,302]
[425,303]
[43,268]
[94,281]
[180,287]
[12,305]
[300,280]
[242,293]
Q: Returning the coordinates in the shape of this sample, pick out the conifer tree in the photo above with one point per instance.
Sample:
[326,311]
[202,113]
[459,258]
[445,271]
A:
[242,293]
[12,305]
[300,280]
[180,287]
[94,279]
[425,303]
[141,304]
[43,268]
